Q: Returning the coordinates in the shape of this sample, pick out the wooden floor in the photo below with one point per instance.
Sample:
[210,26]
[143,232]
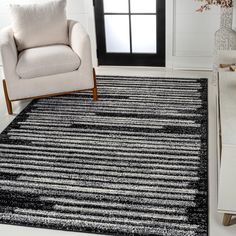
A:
[216,228]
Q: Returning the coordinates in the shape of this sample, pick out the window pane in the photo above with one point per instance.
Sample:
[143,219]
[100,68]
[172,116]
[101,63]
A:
[143,6]
[116,6]
[143,38]
[117,33]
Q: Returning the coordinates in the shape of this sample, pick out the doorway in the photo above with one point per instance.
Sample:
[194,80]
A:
[130,32]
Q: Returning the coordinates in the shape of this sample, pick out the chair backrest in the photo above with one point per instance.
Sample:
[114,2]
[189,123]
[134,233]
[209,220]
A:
[36,25]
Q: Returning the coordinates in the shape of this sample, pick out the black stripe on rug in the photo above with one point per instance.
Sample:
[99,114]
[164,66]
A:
[133,163]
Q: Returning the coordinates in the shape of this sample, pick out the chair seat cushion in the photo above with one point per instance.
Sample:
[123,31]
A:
[45,61]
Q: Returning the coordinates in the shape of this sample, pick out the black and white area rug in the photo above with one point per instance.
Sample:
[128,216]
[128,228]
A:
[133,163]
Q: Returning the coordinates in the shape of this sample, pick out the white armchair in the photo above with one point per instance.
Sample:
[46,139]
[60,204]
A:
[48,70]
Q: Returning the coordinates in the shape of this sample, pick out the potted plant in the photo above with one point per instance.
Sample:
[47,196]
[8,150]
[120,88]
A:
[208,3]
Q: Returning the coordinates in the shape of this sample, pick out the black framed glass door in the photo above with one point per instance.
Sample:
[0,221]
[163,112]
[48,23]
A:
[130,32]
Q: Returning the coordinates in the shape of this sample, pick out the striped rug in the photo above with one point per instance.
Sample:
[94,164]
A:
[133,163]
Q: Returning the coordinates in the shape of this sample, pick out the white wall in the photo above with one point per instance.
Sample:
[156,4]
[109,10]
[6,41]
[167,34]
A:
[189,35]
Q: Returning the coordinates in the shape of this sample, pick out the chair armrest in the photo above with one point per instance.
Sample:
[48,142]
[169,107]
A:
[8,53]
[80,43]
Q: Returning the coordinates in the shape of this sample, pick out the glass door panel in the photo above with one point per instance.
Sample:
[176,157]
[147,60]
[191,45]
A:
[114,6]
[143,6]
[117,33]
[144,39]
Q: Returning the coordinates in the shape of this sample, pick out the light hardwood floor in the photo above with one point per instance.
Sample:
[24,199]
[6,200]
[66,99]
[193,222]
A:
[215,219]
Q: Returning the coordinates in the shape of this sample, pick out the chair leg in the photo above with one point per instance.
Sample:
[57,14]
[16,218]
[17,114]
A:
[8,101]
[95,95]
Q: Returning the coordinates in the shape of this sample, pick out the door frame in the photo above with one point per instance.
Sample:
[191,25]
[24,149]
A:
[127,59]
